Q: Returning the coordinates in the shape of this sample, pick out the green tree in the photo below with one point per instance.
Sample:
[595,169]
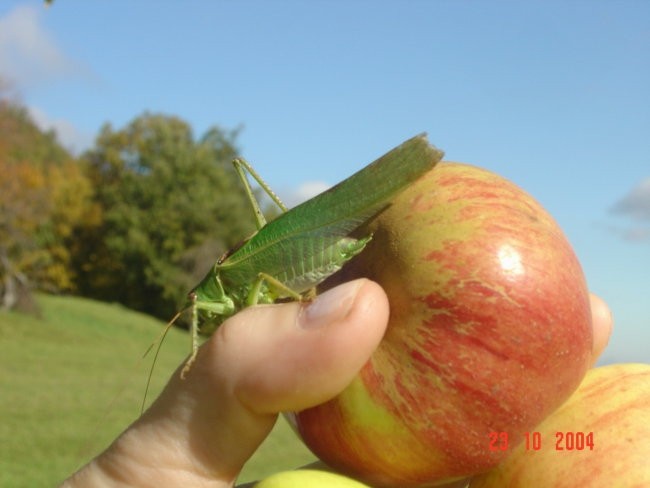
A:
[169,206]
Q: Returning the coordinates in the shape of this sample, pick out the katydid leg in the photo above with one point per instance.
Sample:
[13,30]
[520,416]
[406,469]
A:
[241,165]
[273,283]
[194,333]
[225,307]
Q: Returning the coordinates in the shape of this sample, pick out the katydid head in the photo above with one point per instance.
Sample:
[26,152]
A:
[206,311]
[209,305]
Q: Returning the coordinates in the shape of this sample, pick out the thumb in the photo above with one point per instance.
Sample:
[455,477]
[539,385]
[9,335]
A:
[290,358]
[262,361]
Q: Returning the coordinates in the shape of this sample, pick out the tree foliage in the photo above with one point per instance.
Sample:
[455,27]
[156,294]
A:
[138,219]
[44,195]
[168,205]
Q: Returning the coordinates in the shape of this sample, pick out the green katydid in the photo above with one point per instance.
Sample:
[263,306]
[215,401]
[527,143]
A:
[289,256]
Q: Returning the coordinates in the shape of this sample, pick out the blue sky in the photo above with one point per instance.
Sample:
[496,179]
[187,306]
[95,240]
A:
[553,95]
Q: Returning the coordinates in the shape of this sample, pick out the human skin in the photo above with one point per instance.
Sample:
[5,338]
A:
[264,360]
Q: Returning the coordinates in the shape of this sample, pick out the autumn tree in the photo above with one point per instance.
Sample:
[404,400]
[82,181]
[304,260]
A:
[43,196]
[170,204]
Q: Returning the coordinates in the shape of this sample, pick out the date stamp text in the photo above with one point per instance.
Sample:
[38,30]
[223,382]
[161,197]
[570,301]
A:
[533,441]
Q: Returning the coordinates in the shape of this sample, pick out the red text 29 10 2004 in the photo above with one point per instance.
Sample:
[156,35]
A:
[563,441]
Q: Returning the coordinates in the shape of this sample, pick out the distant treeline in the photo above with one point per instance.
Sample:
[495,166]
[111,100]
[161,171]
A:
[136,219]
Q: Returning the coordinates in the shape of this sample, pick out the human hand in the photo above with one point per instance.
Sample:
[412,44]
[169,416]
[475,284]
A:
[262,361]
[602,323]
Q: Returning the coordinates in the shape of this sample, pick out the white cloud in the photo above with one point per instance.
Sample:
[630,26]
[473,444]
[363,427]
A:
[66,133]
[29,55]
[636,205]
[304,192]
[637,234]
[310,189]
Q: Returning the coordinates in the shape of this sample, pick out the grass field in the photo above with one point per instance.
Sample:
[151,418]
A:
[72,380]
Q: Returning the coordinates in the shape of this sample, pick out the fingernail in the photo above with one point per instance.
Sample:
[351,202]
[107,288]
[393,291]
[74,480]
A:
[329,307]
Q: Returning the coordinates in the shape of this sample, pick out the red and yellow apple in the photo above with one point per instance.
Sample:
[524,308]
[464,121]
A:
[599,438]
[490,331]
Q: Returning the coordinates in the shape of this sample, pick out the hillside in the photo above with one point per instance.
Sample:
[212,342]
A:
[73,379]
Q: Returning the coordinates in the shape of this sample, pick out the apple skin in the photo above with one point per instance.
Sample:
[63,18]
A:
[308,478]
[490,331]
[613,402]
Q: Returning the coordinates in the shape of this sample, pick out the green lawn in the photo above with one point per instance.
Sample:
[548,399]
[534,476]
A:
[72,380]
